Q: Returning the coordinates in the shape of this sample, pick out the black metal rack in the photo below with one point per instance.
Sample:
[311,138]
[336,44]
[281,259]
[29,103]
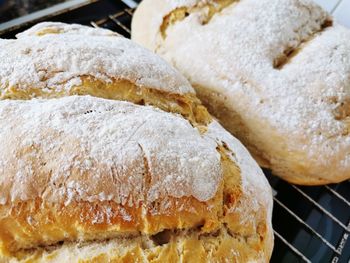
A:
[311,224]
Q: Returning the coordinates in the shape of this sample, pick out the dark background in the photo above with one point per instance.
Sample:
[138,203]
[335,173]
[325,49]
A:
[10,9]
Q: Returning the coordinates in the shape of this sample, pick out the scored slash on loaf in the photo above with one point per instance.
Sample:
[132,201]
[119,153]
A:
[109,156]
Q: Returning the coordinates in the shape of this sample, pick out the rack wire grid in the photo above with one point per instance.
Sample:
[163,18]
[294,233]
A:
[311,224]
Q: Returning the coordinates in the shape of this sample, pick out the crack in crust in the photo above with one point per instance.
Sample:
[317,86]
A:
[167,246]
[187,105]
[147,172]
[290,52]
[208,8]
[341,112]
[342,109]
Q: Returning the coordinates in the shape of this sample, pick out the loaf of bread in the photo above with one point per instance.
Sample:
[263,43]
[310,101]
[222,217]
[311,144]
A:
[108,156]
[276,73]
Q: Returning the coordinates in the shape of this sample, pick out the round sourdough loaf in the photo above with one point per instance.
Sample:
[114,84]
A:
[132,170]
[275,73]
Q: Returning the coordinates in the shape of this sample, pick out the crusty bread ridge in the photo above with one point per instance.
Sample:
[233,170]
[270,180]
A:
[141,174]
[275,73]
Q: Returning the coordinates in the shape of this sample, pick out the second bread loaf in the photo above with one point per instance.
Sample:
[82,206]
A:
[276,73]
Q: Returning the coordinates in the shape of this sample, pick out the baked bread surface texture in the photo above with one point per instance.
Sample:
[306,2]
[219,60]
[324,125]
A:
[275,73]
[108,156]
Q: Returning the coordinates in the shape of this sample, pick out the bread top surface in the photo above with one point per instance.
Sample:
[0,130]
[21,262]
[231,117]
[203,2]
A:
[45,28]
[283,66]
[54,57]
[108,142]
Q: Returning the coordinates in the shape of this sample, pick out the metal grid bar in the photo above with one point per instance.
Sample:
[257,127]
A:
[292,248]
[130,3]
[306,225]
[338,195]
[129,11]
[321,208]
[115,19]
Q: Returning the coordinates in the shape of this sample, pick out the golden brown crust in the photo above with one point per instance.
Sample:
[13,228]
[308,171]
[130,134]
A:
[196,232]
[35,223]
[96,180]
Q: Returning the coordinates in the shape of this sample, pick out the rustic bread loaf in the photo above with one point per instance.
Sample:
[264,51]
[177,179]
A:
[275,73]
[141,174]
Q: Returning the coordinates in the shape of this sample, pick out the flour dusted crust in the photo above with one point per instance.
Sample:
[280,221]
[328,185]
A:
[275,73]
[110,140]
[54,57]
[141,174]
